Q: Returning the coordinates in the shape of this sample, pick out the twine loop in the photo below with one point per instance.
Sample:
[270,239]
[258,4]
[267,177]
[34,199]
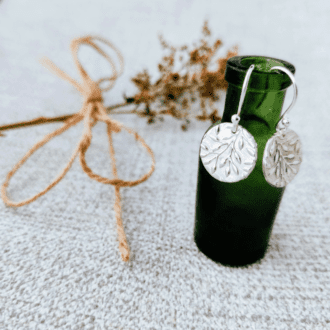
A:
[91,112]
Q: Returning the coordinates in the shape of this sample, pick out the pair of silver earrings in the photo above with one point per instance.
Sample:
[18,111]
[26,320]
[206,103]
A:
[229,152]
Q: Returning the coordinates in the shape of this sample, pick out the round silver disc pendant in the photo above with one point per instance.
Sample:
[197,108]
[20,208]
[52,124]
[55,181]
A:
[282,158]
[228,156]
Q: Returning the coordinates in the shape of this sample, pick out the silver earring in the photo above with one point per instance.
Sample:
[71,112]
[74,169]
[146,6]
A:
[228,151]
[282,155]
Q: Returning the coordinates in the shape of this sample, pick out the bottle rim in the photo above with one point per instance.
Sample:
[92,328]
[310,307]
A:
[261,79]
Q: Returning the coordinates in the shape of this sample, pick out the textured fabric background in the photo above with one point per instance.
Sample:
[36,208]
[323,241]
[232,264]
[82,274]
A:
[59,260]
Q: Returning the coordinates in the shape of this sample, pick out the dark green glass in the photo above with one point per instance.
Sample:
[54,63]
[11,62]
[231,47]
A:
[233,221]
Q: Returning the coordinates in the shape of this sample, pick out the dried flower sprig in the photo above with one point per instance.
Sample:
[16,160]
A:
[185,79]
[180,85]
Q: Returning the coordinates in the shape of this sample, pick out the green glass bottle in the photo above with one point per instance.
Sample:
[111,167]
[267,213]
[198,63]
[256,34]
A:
[233,221]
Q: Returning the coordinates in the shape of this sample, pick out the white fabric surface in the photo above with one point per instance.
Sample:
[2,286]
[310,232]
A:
[59,260]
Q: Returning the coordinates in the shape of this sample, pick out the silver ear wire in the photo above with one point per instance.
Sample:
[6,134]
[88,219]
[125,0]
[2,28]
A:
[284,121]
[236,118]
[282,155]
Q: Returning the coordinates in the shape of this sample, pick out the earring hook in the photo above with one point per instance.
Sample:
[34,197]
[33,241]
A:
[235,118]
[244,88]
[295,92]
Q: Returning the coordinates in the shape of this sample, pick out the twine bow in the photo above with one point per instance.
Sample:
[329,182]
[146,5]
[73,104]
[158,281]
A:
[92,111]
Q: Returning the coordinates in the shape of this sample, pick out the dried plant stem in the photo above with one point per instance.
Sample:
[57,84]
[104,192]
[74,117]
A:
[46,120]
[175,91]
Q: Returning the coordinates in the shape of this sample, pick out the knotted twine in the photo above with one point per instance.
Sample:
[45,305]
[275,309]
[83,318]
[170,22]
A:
[92,111]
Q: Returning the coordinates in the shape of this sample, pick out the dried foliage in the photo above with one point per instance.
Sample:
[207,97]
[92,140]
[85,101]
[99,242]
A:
[185,78]
[186,83]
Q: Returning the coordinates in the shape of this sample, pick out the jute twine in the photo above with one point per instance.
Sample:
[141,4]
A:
[92,111]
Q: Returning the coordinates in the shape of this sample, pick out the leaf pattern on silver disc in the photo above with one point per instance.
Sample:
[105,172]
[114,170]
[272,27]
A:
[228,156]
[282,158]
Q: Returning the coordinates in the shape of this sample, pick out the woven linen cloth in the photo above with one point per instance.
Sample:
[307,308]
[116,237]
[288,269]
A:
[60,267]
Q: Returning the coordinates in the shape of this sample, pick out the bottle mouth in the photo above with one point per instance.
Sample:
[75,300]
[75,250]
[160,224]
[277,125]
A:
[262,64]
[262,78]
